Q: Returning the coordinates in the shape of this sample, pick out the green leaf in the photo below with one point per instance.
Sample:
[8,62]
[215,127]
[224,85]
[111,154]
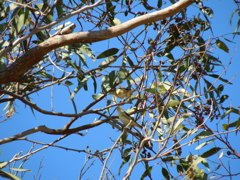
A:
[20,21]
[2,65]
[230,110]
[147,172]
[210,152]
[218,77]
[82,83]
[112,78]
[94,84]
[105,84]
[130,62]
[96,97]
[146,5]
[59,9]
[172,103]
[202,134]
[108,61]
[18,169]
[41,36]
[234,124]
[223,98]
[81,58]
[126,159]
[225,127]
[151,90]
[49,18]
[170,158]
[3,164]
[8,175]
[222,45]
[87,50]
[68,83]
[107,53]
[3,26]
[159,4]
[165,173]
[123,74]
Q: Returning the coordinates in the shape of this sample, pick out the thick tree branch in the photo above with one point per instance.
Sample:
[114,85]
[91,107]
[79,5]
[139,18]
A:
[34,55]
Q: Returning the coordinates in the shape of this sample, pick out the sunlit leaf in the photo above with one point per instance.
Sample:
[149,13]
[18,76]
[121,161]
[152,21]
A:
[108,61]
[20,21]
[202,134]
[204,144]
[8,175]
[3,164]
[230,110]
[87,50]
[116,21]
[96,97]
[123,74]
[235,124]
[19,169]
[173,103]
[220,155]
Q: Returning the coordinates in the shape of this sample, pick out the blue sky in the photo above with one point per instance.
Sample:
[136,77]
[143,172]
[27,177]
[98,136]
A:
[59,164]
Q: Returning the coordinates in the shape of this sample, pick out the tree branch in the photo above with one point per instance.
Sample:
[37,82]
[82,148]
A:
[47,130]
[26,61]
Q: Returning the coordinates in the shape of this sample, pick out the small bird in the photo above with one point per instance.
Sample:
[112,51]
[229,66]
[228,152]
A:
[66,30]
[122,92]
[126,118]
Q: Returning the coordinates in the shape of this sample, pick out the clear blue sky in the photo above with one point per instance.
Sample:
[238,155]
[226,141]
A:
[58,164]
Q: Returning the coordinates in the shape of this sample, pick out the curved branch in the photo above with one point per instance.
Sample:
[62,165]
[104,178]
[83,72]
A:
[47,130]
[34,55]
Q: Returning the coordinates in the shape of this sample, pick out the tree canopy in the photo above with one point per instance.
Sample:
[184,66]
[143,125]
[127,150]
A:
[135,88]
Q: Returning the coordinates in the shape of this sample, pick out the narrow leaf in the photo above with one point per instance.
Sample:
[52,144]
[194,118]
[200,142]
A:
[18,169]
[165,173]
[159,4]
[203,144]
[222,45]
[107,53]
[3,164]
[147,172]
[202,134]
[8,175]
[210,152]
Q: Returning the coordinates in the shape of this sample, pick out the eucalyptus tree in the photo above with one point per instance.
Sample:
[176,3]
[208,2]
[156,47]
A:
[62,60]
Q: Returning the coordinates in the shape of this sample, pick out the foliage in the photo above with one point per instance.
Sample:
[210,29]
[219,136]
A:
[172,64]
